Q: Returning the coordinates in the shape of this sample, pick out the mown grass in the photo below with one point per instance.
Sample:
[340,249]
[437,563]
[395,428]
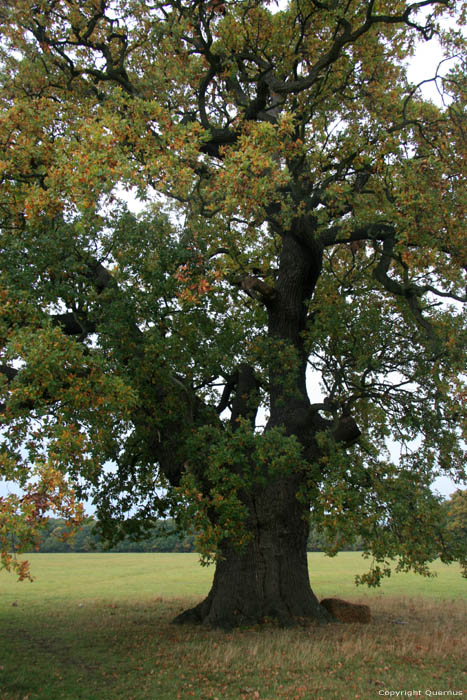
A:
[97,627]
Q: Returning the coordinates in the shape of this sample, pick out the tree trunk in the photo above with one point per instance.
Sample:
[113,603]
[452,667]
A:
[268,579]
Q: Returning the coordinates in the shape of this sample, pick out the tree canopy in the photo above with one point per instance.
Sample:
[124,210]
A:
[304,216]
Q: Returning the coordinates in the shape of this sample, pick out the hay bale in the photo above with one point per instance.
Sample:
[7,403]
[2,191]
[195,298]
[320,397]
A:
[347,612]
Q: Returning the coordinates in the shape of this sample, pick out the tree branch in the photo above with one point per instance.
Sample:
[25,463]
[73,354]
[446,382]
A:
[346,431]
[346,35]
[228,388]
[257,289]
[409,292]
[378,231]
[343,429]
[246,399]
[72,324]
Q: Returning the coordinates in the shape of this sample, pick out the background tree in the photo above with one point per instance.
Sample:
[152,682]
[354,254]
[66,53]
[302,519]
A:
[456,509]
[304,211]
[54,536]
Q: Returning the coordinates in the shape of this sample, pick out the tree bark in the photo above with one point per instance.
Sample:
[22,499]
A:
[267,580]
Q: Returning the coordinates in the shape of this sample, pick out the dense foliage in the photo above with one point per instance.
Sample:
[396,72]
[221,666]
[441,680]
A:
[304,212]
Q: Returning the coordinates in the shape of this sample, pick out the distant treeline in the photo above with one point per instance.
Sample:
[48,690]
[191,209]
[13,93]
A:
[162,538]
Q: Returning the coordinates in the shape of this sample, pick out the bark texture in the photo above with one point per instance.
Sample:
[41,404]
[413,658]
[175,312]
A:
[268,580]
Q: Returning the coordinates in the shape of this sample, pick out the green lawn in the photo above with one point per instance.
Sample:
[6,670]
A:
[97,627]
[66,577]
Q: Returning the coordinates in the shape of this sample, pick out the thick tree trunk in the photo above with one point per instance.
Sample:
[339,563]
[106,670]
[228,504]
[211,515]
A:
[268,579]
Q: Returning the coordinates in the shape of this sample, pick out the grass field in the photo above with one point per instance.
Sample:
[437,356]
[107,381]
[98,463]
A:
[97,627]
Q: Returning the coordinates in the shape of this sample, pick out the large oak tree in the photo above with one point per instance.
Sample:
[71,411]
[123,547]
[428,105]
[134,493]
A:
[303,216]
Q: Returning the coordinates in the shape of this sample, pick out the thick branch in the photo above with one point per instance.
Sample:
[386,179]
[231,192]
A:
[246,399]
[72,324]
[229,387]
[410,292]
[346,431]
[257,289]
[378,231]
